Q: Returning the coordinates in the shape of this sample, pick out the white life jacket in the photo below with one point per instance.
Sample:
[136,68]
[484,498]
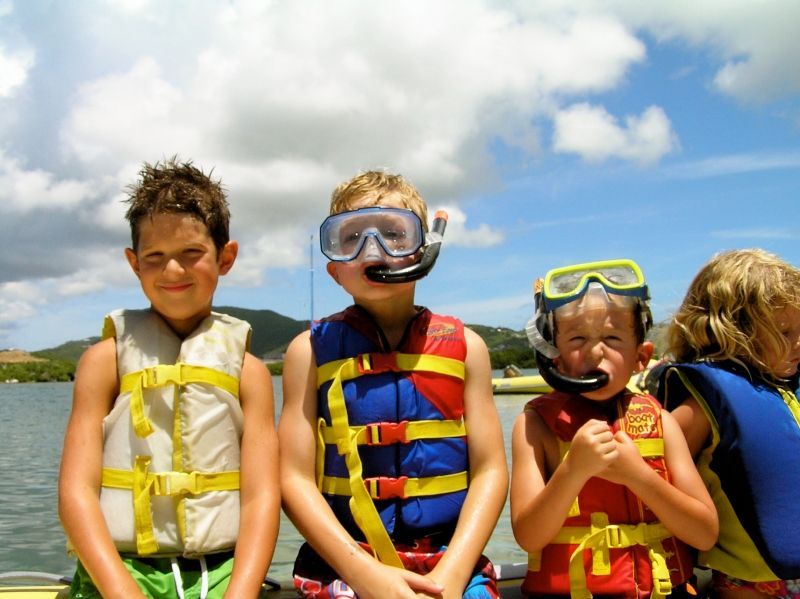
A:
[171,443]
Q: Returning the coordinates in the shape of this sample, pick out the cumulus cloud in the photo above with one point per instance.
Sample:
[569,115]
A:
[458,234]
[285,100]
[595,135]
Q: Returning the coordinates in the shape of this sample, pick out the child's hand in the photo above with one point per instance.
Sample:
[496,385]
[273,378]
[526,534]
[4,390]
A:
[386,582]
[593,449]
[628,464]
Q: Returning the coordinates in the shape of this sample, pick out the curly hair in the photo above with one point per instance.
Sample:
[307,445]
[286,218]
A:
[377,185]
[172,187]
[729,310]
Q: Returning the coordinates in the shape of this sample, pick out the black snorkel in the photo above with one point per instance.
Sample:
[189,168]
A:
[430,252]
[544,352]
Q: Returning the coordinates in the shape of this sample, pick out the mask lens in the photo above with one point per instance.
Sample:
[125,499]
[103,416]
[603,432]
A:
[621,277]
[398,231]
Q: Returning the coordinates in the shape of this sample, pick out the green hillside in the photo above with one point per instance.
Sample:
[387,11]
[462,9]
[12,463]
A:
[272,332]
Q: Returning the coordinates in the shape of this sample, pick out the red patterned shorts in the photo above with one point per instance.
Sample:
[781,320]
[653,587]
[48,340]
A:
[782,589]
[420,559]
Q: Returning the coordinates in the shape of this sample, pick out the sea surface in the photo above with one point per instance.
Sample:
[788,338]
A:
[33,417]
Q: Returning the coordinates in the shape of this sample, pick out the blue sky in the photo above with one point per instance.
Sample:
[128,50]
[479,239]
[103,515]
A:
[553,132]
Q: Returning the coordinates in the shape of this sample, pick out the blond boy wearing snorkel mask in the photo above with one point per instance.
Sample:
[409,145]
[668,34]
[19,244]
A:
[392,458]
[604,494]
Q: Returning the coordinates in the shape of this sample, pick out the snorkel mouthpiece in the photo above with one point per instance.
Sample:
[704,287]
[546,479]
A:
[433,243]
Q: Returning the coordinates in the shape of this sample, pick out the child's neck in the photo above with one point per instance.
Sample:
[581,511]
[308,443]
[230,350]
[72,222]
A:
[391,319]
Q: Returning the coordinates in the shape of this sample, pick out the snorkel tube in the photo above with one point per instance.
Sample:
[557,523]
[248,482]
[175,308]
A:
[433,243]
[541,338]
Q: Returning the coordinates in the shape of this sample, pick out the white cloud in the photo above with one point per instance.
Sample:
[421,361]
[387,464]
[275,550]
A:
[457,233]
[23,190]
[14,70]
[734,164]
[761,234]
[595,135]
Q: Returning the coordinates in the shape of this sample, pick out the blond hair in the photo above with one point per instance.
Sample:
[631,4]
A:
[377,185]
[729,310]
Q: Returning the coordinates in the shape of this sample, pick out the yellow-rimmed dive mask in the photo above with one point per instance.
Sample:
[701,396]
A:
[569,283]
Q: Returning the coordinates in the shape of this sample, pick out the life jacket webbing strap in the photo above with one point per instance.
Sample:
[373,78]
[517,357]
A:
[404,487]
[169,374]
[791,402]
[361,506]
[143,484]
[601,537]
[384,433]
[363,364]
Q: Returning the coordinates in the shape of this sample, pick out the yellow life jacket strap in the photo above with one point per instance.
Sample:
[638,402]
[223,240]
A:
[601,537]
[143,484]
[791,402]
[169,374]
[385,487]
[386,433]
[352,368]
[361,505]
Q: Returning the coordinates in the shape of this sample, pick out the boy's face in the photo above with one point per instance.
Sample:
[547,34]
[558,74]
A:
[600,336]
[178,267]
[352,275]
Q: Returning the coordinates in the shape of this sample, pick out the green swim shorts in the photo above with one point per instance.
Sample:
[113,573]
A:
[155,577]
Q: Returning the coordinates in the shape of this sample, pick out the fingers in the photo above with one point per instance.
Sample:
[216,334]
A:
[422,584]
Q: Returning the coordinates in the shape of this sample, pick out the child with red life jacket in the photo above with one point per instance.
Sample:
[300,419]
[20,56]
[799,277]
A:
[604,492]
[733,390]
[169,474]
[392,458]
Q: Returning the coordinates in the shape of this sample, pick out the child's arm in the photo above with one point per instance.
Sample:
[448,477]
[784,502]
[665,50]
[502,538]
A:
[303,502]
[488,474]
[684,506]
[694,424]
[260,483]
[96,387]
[541,501]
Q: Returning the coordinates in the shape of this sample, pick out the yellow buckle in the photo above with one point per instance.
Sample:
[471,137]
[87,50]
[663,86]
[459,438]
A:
[613,537]
[175,483]
[164,374]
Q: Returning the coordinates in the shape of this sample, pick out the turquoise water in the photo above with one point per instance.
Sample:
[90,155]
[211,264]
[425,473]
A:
[32,428]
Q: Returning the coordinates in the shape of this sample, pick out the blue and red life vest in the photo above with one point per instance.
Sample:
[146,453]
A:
[611,543]
[751,467]
[391,423]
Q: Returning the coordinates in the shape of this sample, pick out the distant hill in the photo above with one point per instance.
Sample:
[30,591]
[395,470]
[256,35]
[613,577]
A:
[272,332]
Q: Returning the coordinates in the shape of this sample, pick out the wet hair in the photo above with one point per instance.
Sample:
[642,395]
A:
[376,185]
[172,187]
[729,310]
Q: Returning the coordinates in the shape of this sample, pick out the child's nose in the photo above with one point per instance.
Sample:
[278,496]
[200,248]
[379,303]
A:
[174,266]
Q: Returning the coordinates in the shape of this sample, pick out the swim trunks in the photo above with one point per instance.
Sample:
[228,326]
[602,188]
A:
[156,579]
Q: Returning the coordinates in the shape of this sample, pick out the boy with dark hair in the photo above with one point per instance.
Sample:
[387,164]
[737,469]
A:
[168,483]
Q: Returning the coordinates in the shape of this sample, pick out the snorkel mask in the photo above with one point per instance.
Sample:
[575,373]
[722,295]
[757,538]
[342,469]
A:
[619,282]
[397,231]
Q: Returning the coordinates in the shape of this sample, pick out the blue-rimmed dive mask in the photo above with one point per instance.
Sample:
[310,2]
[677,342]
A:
[398,232]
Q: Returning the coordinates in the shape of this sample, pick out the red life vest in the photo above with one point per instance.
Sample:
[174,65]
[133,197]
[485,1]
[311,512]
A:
[620,548]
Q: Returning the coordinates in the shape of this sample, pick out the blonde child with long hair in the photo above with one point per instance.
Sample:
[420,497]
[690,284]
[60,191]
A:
[736,343]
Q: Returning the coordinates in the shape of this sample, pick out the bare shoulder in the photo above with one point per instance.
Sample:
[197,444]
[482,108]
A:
[474,340]
[98,365]
[299,346]
[254,369]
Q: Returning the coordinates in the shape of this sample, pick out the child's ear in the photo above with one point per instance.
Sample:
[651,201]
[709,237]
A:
[130,255]
[644,353]
[332,271]
[227,256]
